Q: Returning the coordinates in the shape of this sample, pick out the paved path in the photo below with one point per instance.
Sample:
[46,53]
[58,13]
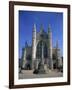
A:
[26,74]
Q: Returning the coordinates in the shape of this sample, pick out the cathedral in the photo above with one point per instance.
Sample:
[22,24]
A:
[41,55]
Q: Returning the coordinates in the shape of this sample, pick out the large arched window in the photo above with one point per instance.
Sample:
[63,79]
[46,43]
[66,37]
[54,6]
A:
[41,45]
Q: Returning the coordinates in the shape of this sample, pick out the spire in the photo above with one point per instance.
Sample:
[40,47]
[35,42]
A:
[49,28]
[26,44]
[34,32]
[34,28]
[41,28]
[49,32]
[57,44]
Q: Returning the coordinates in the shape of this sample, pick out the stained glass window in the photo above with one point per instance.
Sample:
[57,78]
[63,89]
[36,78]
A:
[41,45]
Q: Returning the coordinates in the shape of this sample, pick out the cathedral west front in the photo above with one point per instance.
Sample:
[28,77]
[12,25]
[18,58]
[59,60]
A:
[41,56]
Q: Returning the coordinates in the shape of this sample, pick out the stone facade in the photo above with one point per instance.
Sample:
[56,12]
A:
[41,55]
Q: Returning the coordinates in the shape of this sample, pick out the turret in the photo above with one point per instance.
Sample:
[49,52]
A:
[58,56]
[41,28]
[23,57]
[24,53]
[33,45]
[26,44]
[50,47]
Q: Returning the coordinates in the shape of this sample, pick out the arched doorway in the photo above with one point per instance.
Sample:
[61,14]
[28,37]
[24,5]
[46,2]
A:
[28,67]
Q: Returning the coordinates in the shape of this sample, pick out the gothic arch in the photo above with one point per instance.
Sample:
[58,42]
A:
[39,49]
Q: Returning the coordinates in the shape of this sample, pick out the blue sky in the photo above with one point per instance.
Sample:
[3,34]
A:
[27,20]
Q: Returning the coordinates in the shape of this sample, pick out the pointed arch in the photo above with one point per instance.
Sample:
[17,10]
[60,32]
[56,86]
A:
[39,50]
